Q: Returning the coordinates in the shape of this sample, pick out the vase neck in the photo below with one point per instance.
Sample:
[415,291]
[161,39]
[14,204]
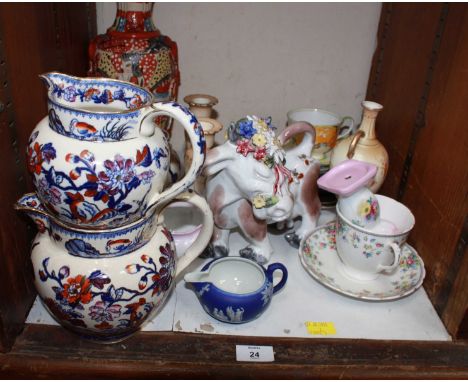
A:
[371,110]
[134,18]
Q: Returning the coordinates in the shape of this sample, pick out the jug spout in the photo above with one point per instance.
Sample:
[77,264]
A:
[197,277]
[31,205]
[47,78]
[56,83]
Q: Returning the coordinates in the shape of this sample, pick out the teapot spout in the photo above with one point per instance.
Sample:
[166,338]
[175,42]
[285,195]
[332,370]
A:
[31,206]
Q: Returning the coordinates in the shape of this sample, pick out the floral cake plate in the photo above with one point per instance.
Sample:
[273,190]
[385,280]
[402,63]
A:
[320,259]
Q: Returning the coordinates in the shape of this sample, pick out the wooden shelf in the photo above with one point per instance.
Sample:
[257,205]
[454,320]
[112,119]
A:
[417,74]
[43,351]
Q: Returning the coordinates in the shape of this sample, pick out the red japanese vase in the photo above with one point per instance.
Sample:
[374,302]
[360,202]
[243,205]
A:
[134,50]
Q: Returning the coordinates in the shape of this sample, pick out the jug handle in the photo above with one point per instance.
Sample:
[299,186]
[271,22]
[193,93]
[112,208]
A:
[205,234]
[277,266]
[195,133]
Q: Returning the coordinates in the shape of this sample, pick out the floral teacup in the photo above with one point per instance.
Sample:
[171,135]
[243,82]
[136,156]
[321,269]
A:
[366,253]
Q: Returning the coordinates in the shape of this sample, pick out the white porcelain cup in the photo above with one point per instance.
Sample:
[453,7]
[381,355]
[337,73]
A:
[366,253]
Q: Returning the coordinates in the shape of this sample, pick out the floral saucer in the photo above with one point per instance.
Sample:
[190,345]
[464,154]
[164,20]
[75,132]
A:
[320,259]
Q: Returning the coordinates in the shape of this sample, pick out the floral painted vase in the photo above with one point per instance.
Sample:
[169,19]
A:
[105,284]
[98,160]
[134,50]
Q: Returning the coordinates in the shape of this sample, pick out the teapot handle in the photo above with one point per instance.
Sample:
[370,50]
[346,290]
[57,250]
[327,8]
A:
[194,132]
[203,237]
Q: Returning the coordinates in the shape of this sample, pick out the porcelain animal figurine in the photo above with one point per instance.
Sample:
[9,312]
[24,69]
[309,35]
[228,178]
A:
[305,170]
[249,184]
[235,290]
[105,284]
[98,160]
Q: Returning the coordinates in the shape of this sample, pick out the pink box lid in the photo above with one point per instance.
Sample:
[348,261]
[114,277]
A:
[347,177]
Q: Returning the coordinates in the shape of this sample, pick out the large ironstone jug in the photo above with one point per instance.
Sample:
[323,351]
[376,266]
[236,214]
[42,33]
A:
[98,160]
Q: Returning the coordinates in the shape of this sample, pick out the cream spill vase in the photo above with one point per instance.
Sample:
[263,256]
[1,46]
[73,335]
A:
[364,146]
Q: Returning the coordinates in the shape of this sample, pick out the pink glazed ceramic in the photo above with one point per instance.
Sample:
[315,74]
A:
[349,182]
[98,160]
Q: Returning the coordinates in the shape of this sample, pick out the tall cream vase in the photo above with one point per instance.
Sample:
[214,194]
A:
[364,146]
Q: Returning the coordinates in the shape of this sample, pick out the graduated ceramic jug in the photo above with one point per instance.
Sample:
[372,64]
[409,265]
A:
[98,160]
[105,284]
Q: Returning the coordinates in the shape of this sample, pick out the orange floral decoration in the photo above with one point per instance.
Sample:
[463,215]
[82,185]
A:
[77,289]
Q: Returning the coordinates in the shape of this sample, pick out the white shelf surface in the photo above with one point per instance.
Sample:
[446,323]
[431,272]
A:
[301,300]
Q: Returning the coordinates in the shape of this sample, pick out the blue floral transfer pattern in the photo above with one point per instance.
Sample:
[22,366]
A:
[73,93]
[111,185]
[92,301]
[113,131]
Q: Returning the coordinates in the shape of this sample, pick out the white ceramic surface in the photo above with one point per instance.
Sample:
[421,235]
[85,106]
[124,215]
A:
[320,259]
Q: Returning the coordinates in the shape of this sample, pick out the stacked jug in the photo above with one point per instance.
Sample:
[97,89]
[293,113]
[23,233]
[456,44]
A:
[104,263]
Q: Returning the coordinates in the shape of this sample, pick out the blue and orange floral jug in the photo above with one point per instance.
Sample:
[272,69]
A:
[98,160]
[104,263]
[104,285]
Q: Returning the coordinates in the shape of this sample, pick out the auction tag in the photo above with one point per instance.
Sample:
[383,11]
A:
[320,328]
[252,353]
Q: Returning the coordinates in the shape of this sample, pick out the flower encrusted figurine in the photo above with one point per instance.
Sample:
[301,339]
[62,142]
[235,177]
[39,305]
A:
[256,135]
